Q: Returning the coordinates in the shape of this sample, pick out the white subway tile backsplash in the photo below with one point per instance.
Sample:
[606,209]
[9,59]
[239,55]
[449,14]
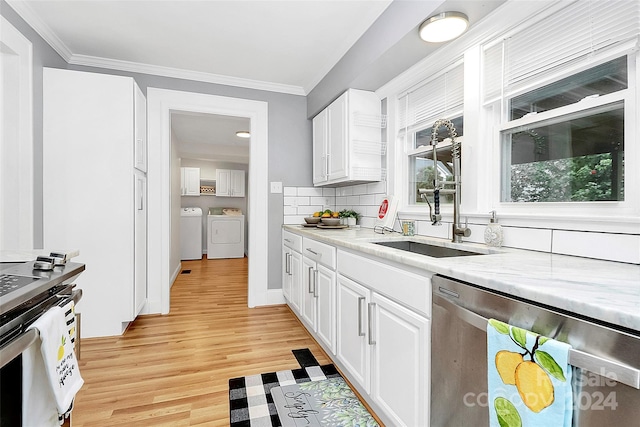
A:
[344,191]
[293,219]
[290,210]
[341,200]
[353,200]
[290,201]
[367,199]
[308,210]
[360,189]
[303,201]
[377,187]
[290,191]
[425,228]
[612,247]
[309,191]
[534,239]
[328,191]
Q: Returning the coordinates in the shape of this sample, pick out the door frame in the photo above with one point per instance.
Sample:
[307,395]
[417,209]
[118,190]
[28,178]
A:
[160,104]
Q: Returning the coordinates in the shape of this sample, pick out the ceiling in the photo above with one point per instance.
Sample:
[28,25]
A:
[286,46]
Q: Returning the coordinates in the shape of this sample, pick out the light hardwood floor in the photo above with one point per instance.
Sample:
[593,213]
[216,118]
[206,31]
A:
[173,370]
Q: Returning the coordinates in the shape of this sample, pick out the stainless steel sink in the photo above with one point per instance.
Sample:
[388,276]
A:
[427,249]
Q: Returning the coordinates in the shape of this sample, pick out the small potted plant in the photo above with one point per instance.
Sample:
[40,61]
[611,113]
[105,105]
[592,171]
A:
[350,217]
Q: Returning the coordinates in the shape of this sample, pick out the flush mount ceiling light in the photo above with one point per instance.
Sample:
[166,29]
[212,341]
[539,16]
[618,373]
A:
[443,27]
[243,134]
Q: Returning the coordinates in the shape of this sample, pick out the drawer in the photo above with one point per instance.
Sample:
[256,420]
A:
[412,290]
[292,240]
[319,252]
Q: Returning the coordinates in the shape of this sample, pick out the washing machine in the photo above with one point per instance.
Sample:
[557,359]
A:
[225,233]
[190,233]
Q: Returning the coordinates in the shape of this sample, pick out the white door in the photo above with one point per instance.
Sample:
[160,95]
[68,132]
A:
[351,341]
[320,147]
[308,307]
[237,183]
[286,273]
[140,243]
[400,361]
[326,308]
[223,182]
[295,266]
[337,138]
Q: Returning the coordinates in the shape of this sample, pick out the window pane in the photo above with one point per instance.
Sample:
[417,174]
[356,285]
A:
[605,78]
[423,173]
[578,159]
[423,137]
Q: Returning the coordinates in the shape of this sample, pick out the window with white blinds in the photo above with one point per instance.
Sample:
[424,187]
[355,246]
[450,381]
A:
[439,97]
[573,34]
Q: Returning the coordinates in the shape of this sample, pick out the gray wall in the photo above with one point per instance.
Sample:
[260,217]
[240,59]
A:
[290,155]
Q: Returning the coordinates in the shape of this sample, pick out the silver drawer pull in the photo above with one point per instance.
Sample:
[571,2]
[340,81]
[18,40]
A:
[372,306]
[314,252]
[360,331]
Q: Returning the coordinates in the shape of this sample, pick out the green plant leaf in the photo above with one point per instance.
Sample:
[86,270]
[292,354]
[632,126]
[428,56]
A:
[543,340]
[520,336]
[549,364]
[501,327]
[508,415]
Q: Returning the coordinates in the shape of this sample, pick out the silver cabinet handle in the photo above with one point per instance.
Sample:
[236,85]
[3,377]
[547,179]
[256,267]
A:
[313,252]
[310,275]
[625,374]
[288,263]
[372,306]
[360,331]
[315,283]
[287,240]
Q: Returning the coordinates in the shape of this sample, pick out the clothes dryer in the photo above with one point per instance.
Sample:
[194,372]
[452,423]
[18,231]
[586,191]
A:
[225,235]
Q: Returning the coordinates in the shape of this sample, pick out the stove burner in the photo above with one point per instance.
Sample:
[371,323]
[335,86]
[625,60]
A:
[10,283]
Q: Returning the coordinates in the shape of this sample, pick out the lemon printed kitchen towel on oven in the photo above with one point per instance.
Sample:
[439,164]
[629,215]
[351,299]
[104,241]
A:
[529,378]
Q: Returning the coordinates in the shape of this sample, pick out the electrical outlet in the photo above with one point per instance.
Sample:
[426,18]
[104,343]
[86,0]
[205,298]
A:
[276,187]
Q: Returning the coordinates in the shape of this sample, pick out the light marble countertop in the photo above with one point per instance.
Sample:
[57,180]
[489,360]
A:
[602,290]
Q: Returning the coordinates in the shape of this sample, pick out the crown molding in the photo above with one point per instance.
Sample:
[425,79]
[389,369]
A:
[30,17]
[156,70]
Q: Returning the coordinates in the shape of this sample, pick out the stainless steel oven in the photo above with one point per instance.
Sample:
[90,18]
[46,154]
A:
[25,294]
[459,357]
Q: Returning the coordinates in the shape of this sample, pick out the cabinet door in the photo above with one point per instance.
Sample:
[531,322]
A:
[237,183]
[191,181]
[286,273]
[326,307]
[400,361]
[295,266]
[351,341]
[337,138]
[140,124]
[223,182]
[309,290]
[320,147]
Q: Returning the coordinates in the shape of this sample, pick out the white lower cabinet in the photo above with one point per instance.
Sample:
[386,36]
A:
[319,291]
[400,361]
[373,316]
[352,348]
[292,269]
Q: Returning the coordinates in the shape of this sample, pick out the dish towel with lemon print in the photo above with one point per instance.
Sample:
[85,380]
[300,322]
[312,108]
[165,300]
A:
[529,378]
[60,363]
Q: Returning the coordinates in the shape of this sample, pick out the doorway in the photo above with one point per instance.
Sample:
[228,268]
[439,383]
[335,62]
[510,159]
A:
[162,216]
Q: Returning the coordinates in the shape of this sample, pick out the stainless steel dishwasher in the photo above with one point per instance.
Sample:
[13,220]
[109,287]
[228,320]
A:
[459,357]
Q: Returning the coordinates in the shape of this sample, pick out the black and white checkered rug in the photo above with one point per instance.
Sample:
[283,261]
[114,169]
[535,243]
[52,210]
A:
[250,401]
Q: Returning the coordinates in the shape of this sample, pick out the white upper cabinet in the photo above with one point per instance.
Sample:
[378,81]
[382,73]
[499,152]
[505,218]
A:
[230,183]
[140,122]
[347,143]
[190,181]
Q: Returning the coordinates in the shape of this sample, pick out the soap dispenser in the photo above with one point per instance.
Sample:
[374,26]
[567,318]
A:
[493,233]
